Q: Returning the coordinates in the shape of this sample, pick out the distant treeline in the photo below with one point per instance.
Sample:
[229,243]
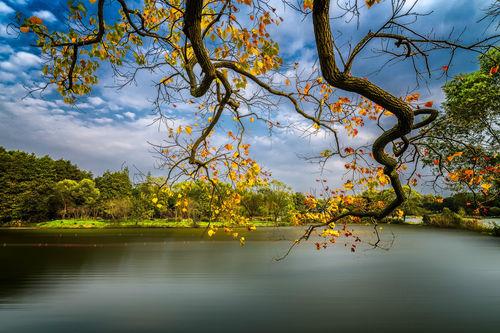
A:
[39,189]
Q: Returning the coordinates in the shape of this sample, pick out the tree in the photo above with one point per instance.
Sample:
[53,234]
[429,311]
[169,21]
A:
[79,198]
[115,188]
[465,140]
[27,185]
[65,189]
[114,185]
[209,52]
[277,200]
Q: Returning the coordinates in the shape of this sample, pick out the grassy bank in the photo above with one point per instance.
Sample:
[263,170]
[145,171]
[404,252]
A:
[449,219]
[102,224]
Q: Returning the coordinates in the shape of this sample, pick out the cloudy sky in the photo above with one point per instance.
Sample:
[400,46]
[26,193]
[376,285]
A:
[112,127]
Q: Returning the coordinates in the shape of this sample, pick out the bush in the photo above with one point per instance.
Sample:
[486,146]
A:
[449,219]
[118,209]
[494,211]
[496,230]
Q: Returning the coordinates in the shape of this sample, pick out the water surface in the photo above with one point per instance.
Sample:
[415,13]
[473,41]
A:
[176,281]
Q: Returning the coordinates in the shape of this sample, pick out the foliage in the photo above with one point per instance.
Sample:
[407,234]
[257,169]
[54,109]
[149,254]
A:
[79,198]
[449,219]
[114,185]
[465,141]
[27,185]
[154,223]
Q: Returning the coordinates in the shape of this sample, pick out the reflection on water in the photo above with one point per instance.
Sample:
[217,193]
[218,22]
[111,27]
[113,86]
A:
[175,281]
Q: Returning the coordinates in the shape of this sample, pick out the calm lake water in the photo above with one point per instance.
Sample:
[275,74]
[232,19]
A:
[431,280]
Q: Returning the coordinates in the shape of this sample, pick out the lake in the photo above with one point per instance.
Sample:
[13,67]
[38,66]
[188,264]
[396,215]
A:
[173,280]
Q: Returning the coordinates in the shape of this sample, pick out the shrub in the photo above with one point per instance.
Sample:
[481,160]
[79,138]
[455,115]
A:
[449,219]
[496,230]
[118,208]
[494,211]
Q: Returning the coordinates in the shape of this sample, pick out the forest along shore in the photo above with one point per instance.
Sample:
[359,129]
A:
[43,193]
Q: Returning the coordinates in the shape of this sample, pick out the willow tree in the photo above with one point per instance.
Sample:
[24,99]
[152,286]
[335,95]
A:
[218,59]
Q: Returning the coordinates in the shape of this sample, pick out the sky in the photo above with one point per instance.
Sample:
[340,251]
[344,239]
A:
[111,128]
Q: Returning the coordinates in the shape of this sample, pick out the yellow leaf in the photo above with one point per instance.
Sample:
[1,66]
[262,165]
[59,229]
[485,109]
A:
[252,119]
[348,185]
[242,241]
[210,232]
[228,146]
[166,80]
[155,200]
[188,130]
[486,186]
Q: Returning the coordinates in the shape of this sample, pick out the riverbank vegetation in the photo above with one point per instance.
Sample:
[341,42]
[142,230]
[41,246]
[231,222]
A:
[46,193]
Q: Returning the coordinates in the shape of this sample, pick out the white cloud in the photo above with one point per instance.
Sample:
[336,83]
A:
[5,9]
[45,15]
[103,120]
[20,60]
[7,77]
[96,101]
[6,49]
[6,32]
[129,115]
[94,145]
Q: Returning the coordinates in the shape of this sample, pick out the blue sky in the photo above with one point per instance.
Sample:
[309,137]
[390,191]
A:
[112,127]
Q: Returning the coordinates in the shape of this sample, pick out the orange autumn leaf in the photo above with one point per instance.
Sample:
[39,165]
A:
[308,4]
[307,88]
[469,173]
[413,97]
[370,3]
[35,20]
[457,154]
[24,29]
[429,104]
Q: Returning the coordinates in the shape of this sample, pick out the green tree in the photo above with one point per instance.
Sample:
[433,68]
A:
[465,141]
[278,200]
[79,198]
[27,185]
[64,190]
[114,185]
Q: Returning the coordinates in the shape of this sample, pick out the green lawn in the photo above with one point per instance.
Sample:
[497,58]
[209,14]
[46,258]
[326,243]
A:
[99,224]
